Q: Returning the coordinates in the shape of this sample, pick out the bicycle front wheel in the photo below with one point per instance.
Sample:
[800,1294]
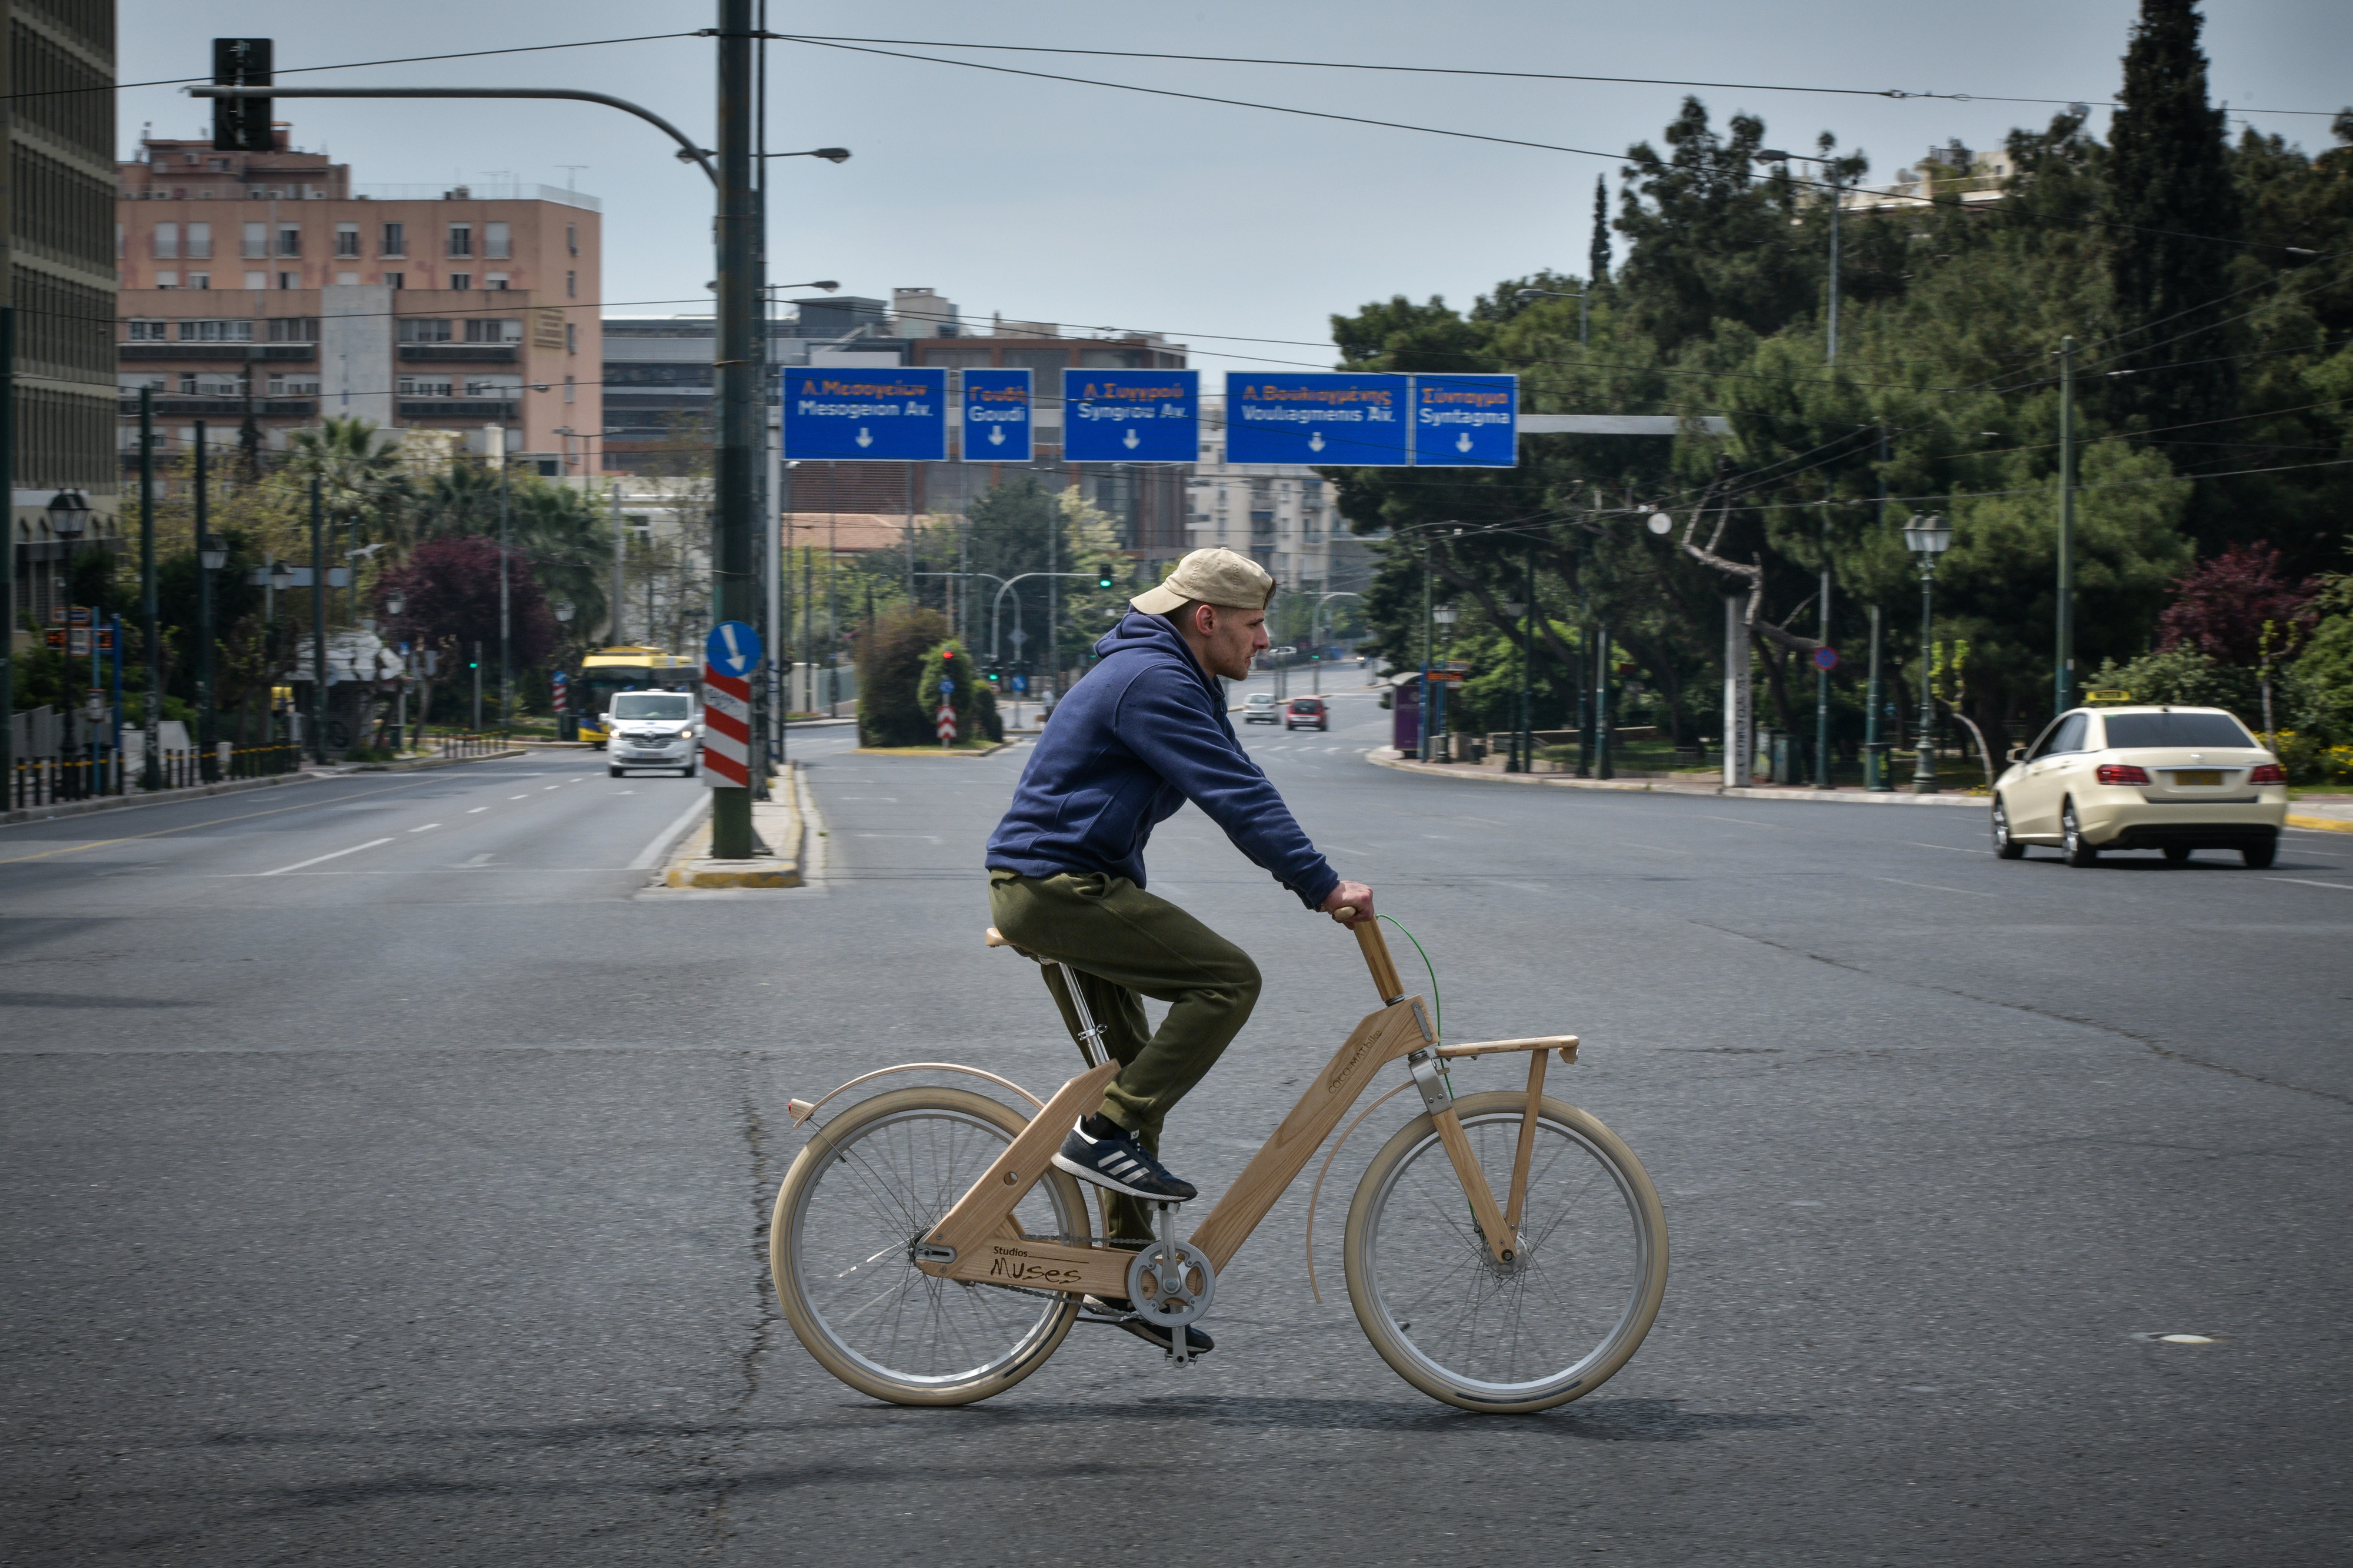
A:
[841,1244]
[1551,1325]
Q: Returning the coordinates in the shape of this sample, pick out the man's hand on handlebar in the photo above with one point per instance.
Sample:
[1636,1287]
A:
[1351,904]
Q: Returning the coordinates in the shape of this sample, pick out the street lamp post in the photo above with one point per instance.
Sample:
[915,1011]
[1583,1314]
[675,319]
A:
[1583,309]
[1434,719]
[1315,628]
[1928,538]
[1774,155]
[394,604]
[207,729]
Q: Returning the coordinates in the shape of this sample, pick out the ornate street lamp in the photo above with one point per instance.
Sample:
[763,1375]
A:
[68,515]
[1928,538]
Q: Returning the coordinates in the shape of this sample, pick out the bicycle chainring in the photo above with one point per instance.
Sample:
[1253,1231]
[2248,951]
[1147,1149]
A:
[1171,1283]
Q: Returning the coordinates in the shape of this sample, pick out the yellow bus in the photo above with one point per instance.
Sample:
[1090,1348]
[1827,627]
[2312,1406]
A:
[624,668]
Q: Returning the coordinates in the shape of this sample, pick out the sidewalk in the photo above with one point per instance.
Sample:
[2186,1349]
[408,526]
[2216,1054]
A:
[777,824]
[2323,814]
[1390,757]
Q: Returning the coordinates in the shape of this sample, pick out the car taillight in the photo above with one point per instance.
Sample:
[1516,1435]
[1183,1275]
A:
[2268,773]
[2122,773]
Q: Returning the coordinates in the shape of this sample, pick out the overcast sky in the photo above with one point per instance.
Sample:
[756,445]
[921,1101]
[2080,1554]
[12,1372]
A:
[1051,201]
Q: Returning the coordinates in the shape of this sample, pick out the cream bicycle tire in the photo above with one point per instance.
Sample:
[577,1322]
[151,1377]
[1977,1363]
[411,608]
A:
[1552,1326]
[905,1158]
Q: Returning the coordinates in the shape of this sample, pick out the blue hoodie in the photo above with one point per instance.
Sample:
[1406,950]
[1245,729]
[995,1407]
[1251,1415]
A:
[1143,733]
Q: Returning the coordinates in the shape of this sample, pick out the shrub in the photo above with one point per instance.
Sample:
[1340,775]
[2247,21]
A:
[950,662]
[2183,677]
[890,671]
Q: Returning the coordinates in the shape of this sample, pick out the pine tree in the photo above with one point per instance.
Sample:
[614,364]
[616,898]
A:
[2169,171]
[1599,258]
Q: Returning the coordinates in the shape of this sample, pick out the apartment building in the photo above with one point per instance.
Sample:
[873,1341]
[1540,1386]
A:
[1282,515]
[56,259]
[266,287]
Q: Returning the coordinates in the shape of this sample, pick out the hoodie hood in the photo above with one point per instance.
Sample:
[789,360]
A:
[1137,630]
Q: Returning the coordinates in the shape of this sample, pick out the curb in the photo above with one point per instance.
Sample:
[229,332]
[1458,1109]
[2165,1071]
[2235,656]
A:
[161,797]
[928,751]
[778,822]
[421,763]
[1386,757]
[2320,824]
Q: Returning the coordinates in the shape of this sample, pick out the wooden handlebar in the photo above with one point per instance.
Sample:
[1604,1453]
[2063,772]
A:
[1375,948]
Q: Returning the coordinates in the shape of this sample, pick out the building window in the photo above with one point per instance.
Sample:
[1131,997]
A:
[167,241]
[290,281]
[395,239]
[257,280]
[167,280]
[344,280]
[200,279]
[396,280]
[233,331]
[572,285]
[461,281]
[257,239]
[571,337]
[497,240]
[494,386]
[416,387]
[424,330]
[200,242]
[293,329]
[494,281]
[347,239]
[294,385]
[289,239]
[568,388]
[480,330]
[462,239]
[150,331]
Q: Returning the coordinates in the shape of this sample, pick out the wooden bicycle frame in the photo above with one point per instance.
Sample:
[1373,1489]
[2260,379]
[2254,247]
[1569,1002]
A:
[979,1239]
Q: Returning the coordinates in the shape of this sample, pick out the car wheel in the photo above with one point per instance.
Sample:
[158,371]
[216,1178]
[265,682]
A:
[2004,846]
[686,773]
[2177,854]
[2258,855]
[613,770]
[2071,837]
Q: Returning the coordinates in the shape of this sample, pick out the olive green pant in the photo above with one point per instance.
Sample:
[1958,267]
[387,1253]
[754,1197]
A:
[1124,944]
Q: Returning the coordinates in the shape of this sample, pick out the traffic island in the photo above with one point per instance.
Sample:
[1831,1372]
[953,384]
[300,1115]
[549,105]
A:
[777,827]
[1390,757]
[986,749]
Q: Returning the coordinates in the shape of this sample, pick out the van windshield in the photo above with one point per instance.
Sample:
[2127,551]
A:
[653,705]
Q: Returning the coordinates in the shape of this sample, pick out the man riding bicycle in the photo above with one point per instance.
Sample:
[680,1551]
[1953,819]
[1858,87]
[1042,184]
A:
[1144,732]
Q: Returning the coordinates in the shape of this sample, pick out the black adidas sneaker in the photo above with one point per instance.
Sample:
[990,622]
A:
[1119,1163]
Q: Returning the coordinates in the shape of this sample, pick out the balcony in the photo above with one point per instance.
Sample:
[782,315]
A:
[460,408]
[471,353]
[182,406]
[235,352]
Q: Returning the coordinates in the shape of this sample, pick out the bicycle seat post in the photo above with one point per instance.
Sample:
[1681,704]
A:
[1090,1043]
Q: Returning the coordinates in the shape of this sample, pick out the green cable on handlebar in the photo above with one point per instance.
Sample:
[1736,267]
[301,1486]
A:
[1437,1007]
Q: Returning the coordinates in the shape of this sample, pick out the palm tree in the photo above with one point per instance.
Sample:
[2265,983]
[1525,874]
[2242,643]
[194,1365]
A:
[359,473]
[569,548]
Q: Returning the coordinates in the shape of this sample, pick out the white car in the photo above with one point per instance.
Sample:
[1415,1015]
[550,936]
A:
[1259,708]
[2174,779]
[651,730]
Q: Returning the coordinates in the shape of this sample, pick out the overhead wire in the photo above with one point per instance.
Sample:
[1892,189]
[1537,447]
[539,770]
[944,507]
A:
[354,64]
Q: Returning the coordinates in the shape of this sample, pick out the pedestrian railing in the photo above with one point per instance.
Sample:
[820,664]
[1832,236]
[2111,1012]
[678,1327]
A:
[50,780]
[471,744]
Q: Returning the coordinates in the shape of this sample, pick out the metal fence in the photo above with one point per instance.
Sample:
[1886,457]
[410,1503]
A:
[48,780]
[472,745]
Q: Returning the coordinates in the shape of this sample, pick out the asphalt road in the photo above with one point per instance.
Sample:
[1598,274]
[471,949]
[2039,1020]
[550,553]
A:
[385,1180]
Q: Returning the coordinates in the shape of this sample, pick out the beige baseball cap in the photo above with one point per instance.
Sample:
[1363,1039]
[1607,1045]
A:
[1220,577]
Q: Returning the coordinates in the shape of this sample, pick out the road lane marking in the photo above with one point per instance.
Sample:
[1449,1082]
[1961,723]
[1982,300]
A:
[1939,887]
[477,808]
[208,822]
[1742,820]
[2306,882]
[546,787]
[669,835]
[518,797]
[1948,848]
[426,829]
[315,860]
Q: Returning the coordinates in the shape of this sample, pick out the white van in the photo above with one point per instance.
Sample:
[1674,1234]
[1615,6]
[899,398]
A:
[652,730]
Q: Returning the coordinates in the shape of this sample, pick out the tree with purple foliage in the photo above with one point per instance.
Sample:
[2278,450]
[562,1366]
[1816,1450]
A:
[449,589]
[2222,605]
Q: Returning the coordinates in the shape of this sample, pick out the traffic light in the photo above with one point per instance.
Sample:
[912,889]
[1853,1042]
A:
[1102,578]
[241,124]
[993,674]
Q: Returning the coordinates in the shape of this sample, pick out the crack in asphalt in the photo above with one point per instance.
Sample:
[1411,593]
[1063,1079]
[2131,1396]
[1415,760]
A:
[2168,1052]
[754,1132]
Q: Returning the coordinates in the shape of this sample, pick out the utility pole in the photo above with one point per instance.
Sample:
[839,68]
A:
[1836,193]
[1428,632]
[8,558]
[1602,766]
[207,761]
[1739,731]
[614,633]
[1822,674]
[506,635]
[2063,673]
[1874,765]
[733,580]
[319,620]
[155,770]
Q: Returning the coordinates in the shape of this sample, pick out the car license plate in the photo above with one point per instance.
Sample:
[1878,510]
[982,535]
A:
[2198,776]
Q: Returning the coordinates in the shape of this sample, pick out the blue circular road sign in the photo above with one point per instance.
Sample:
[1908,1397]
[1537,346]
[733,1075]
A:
[1825,658]
[733,648]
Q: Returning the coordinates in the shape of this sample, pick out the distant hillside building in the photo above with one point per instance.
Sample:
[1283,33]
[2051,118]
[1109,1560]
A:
[58,260]
[264,291]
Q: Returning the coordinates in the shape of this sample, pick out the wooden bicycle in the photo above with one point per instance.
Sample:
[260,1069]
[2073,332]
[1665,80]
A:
[927,1252]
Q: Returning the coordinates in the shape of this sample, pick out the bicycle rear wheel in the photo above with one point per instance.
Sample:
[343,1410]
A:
[1546,1327]
[841,1245]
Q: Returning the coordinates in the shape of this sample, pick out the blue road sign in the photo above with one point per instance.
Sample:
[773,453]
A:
[995,416]
[1132,416]
[733,648]
[1466,421]
[1317,418]
[1020,683]
[1825,658]
[896,414]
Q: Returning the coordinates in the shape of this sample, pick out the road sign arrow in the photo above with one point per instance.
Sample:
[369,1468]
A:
[1132,442]
[1461,442]
[996,436]
[866,438]
[1315,442]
